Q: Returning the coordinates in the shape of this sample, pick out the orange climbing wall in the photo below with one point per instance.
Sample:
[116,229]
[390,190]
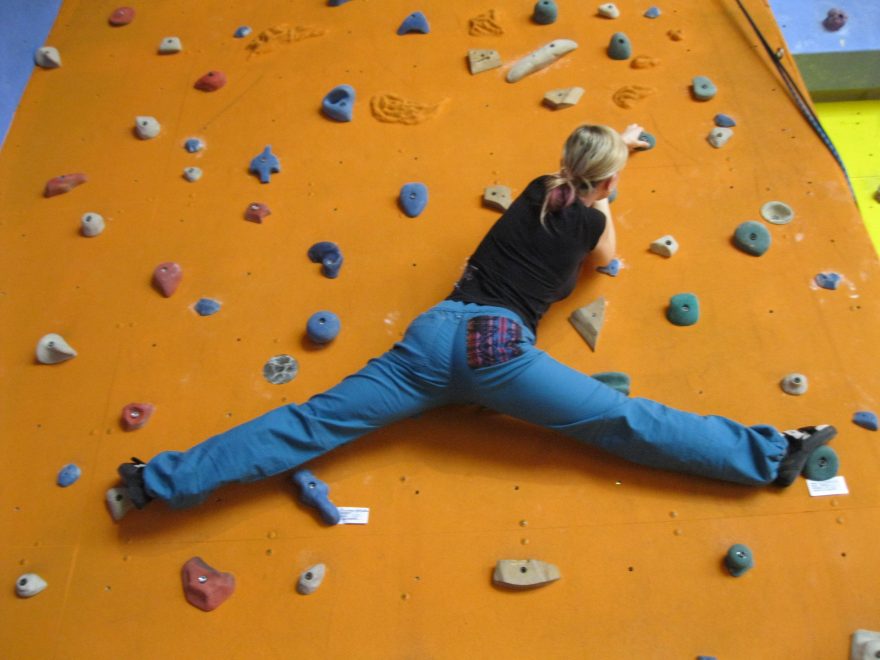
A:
[453,491]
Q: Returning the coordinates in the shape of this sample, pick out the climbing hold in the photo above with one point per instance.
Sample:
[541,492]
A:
[280,369]
[612,196]
[192,174]
[170,45]
[339,103]
[211,81]
[118,503]
[146,127]
[834,20]
[205,587]
[828,280]
[336,3]
[68,475]
[322,327]
[540,59]
[777,213]
[166,277]
[64,183]
[725,121]
[47,57]
[413,198]
[609,10]
[877,194]
[626,95]
[52,349]
[329,256]
[415,22]
[866,419]
[480,60]
[207,306]
[703,89]
[644,136]
[394,109]
[136,415]
[545,12]
[311,579]
[665,246]
[619,48]
[242,31]
[719,136]
[612,269]
[794,384]
[484,24]
[315,493]
[684,309]
[822,464]
[524,573]
[257,212]
[865,645]
[652,12]
[193,145]
[265,164]
[497,197]
[563,98]
[91,224]
[588,321]
[738,560]
[29,584]
[644,62]
[619,380]
[675,35]
[752,238]
[121,16]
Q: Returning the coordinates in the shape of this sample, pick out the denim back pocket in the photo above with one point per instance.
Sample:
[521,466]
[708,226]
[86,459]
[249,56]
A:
[492,340]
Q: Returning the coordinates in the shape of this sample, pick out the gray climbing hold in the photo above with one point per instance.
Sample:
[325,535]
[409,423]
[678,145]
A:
[524,573]
[719,136]
[311,579]
[118,503]
[323,327]
[329,256]
[619,380]
[563,98]
[777,213]
[540,59]
[146,127]
[794,384]
[316,494]
[91,224]
[703,89]
[752,238]
[280,369]
[29,585]
[725,121]
[665,246]
[612,268]
[47,57]
[52,349]
[828,280]
[207,306]
[415,22]
[619,48]
[866,419]
[193,145]
[644,136]
[242,31]
[336,3]
[265,164]
[545,12]
[683,309]
[738,560]
[413,198]
[483,59]
[865,645]
[497,197]
[68,475]
[192,174]
[339,103]
[652,12]
[588,321]
[170,45]
[609,10]
[822,464]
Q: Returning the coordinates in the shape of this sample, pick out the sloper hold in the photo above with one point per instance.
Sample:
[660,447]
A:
[777,213]
[652,12]
[563,98]
[257,212]
[828,280]
[545,12]
[752,238]
[665,246]
[242,31]
[683,309]
[121,16]
[136,415]
[702,88]
[323,327]
[329,256]
[338,104]
[725,121]
[497,197]
[738,559]
[795,384]
[265,164]
[91,224]
[205,587]
[193,145]
[52,349]
[29,585]
[619,380]
[483,59]
[64,183]
[413,198]
[166,277]
[316,494]
[47,57]
[866,419]
[415,22]
[311,579]
[619,48]
[588,321]
[524,573]
[211,81]
[146,127]
[540,59]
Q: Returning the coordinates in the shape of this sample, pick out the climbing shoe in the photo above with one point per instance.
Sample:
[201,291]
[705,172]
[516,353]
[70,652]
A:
[133,480]
[801,443]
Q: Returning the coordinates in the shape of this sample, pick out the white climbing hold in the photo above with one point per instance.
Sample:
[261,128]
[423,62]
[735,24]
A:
[118,503]
[563,98]
[480,60]
[609,10]
[540,59]
[147,127]
[719,136]
[524,573]
[497,197]
[52,349]
[777,213]
[665,246]
[92,224]
[311,579]
[170,45]
[865,645]
[29,584]
[795,384]
[588,320]
[48,57]
[192,173]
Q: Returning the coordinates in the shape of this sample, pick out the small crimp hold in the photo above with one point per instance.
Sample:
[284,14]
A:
[524,573]
[329,256]
[192,174]
[484,59]
[719,136]
[207,306]
[497,197]
[738,559]
[265,165]
[413,198]
[752,238]
[619,380]
[588,321]
[545,12]
[52,349]
[47,57]
[322,327]
[136,415]
[684,309]
[170,46]
[311,579]
[146,127]
[29,585]
[338,104]
[205,587]
[644,62]
[703,89]
[316,494]
[121,16]
[64,183]
[563,98]
[619,48]
[612,268]
[415,22]
[166,277]
[211,81]
[257,212]
[866,419]
[794,384]
[609,10]
[242,31]
[68,475]
[828,280]
[665,246]
[91,224]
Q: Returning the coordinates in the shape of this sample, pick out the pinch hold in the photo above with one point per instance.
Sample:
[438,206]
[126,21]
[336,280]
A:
[166,277]
[47,57]
[52,349]
[315,493]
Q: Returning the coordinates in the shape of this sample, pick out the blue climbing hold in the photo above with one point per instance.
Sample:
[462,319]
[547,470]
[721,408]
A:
[322,327]
[653,12]
[339,103]
[193,145]
[644,136]
[545,12]
[336,3]
[328,255]
[828,280]
[69,475]
[684,309]
[752,237]
[207,306]
[612,196]
[315,493]
[619,48]
[866,419]
[724,121]
[415,22]
[613,268]
[413,198]
[242,32]
[265,164]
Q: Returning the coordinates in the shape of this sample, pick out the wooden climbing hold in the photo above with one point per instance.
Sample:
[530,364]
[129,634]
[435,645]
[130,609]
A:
[322,327]
[665,246]
[497,197]
[166,277]
[136,415]
[415,22]
[738,559]
[338,104]
[588,321]
[64,183]
[52,349]
[866,419]
[563,98]
[795,384]
[265,165]
[683,309]
[92,224]
[29,585]
[540,59]
[257,212]
[311,579]
[47,57]
[524,573]
[752,238]
[484,59]
[413,198]
[619,48]
[316,494]
[211,81]
[205,587]
[146,127]
[121,16]
[170,45]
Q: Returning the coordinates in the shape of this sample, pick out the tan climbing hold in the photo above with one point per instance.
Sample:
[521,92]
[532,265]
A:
[281,34]
[497,197]
[563,98]
[540,59]
[485,24]
[480,60]
[524,573]
[644,62]
[627,95]
[395,109]
[588,321]
[675,35]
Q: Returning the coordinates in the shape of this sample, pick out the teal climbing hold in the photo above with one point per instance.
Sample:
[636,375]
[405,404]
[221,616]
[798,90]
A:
[415,22]
[684,309]
[703,88]
[866,419]
[822,464]
[739,559]
[619,48]
[413,198]
[545,12]
[619,380]
[752,238]
[644,136]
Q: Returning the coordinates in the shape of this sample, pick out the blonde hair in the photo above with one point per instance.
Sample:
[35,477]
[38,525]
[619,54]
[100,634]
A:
[591,154]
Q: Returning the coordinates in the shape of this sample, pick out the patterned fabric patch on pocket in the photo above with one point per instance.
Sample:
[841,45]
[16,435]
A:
[492,340]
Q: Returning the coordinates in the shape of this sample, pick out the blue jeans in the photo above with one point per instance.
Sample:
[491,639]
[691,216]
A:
[465,353]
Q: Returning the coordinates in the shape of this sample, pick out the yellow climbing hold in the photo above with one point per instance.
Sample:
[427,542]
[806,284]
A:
[395,109]
[627,95]
[484,24]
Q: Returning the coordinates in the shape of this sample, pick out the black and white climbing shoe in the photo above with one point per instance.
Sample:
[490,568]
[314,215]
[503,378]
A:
[801,443]
[133,479]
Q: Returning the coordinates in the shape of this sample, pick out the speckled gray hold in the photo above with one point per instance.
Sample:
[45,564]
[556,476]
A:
[311,579]
[280,369]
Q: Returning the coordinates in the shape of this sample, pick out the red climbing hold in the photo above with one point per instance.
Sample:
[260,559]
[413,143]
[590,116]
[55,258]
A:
[206,587]
[167,277]
[121,16]
[211,81]
[64,183]
[256,212]
[136,415]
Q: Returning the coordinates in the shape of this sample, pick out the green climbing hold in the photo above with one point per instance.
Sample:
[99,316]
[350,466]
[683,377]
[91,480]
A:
[822,464]
[752,238]
[739,559]
[619,48]
[684,309]
[703,88]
